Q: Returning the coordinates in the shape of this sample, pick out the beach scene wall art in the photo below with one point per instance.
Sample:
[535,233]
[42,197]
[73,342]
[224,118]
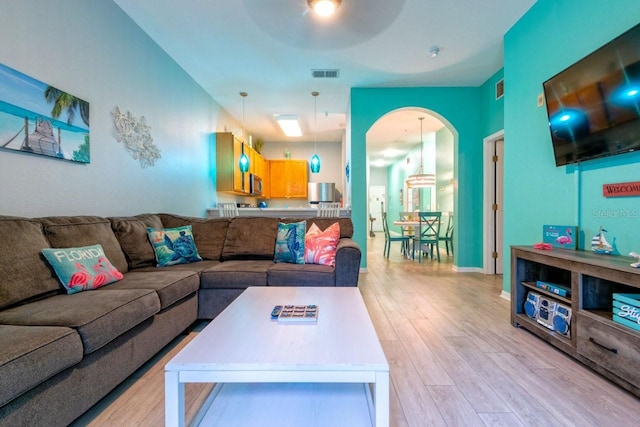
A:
[37,118]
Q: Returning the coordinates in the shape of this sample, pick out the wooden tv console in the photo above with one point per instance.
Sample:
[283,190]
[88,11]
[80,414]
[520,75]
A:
[593,337]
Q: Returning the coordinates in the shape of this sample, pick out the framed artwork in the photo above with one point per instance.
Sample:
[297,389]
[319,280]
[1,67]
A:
[37,118]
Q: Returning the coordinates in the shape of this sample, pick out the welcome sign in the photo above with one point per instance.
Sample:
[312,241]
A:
[622,189]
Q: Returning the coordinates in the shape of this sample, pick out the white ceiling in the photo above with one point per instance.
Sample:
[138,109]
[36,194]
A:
[268,48]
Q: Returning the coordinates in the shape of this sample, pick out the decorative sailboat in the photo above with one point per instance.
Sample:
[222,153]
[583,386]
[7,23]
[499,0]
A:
[599,244]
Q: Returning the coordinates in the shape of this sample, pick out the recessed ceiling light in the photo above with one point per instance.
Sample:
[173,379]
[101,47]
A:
[433,51]
[289,124]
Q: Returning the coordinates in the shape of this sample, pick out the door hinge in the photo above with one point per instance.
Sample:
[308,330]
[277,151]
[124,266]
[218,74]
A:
[494,207]
[494,159]
[494,255]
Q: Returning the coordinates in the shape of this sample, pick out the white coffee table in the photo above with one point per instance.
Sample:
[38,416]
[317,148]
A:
[332,372]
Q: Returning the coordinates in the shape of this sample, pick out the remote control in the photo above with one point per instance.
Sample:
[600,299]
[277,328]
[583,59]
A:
[276,311]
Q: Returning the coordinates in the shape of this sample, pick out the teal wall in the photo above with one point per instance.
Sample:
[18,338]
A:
[459,108]
[492,111]
[550,37]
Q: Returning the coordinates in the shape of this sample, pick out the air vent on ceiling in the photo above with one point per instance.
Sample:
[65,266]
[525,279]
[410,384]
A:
[325,74]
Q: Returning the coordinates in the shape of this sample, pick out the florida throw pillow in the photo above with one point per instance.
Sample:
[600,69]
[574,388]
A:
[290,242]
[320,246]
[83,268]
[173,245]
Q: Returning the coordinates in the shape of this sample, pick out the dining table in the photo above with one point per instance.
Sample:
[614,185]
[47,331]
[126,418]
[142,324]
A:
[409,227]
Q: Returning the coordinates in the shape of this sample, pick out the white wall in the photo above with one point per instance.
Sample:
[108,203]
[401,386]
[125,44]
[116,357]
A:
[92,50]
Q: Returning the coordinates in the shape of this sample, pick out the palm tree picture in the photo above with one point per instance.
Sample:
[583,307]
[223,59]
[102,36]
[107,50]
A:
[38,118]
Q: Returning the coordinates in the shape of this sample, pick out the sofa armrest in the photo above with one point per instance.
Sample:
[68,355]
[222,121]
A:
[348,256]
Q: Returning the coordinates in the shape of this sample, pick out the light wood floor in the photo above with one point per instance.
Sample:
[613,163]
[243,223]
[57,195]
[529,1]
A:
[455,359]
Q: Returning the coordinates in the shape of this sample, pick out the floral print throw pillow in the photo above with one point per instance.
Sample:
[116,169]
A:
[320,246]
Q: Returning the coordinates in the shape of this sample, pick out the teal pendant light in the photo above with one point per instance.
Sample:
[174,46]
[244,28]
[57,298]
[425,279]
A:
[243,163]
[315,159]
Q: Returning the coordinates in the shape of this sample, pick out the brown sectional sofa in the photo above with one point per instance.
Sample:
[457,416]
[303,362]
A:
[60,353]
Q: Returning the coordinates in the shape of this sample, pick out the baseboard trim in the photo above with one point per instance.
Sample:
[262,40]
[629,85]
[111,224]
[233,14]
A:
[467,269]
[363,270]
[505,295]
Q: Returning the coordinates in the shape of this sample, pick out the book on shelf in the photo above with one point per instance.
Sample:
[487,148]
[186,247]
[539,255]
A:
[554,288]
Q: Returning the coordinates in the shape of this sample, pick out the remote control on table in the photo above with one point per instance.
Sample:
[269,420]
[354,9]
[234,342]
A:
[276,311]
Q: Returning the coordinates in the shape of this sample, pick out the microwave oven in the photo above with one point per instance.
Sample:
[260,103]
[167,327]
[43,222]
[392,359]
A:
[255,185]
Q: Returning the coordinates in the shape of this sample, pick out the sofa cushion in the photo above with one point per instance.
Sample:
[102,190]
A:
[171,285]
[346,225]
[290,242]
[25,273]
[208,233]
[301,275]
[72,231]
[250,238]
[80,269]
[98,316]
[132,234]
[236,274]
[31,354]
[193,267]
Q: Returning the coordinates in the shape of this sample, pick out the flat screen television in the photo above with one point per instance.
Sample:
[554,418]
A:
[594,105]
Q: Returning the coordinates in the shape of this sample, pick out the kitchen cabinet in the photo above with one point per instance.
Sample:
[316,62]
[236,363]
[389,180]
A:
[228,175]
[288,178]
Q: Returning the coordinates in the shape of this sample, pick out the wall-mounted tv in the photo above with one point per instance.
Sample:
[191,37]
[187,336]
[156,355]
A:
[594,105]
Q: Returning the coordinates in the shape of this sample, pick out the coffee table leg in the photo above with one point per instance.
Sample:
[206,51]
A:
[173,400]
[381,399]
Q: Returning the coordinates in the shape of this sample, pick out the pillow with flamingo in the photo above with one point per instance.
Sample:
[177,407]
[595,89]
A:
[83,268]
[320,246]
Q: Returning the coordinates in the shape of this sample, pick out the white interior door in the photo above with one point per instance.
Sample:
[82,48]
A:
[493,184]
[498,213]
[376,197]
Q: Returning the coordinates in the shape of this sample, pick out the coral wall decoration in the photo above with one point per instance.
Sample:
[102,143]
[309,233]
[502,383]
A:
[135,133]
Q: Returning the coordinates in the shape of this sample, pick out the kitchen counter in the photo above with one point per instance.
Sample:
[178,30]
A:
[278,212]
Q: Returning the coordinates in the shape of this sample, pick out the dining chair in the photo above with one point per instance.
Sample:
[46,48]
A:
[392,236]
[427,235]
[407,216]
[448,234]
[227,210]
[329,209]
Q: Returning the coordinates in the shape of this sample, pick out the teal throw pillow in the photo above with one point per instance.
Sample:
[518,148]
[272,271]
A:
[174,245]
[290,242]
[81,269]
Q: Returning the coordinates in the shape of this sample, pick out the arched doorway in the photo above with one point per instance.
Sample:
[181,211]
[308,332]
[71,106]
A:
[403,142]
[458,108]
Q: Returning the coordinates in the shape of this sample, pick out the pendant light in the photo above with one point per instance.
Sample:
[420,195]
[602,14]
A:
[315,160]
[421,179]
[243,163]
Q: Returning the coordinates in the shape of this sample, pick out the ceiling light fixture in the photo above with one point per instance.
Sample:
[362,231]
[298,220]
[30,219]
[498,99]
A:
[324,7]
[315,160]
[289,125]
[421,179]
[434,51]
[243,162]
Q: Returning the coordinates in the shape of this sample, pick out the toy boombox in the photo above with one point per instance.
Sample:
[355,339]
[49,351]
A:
[548,313]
